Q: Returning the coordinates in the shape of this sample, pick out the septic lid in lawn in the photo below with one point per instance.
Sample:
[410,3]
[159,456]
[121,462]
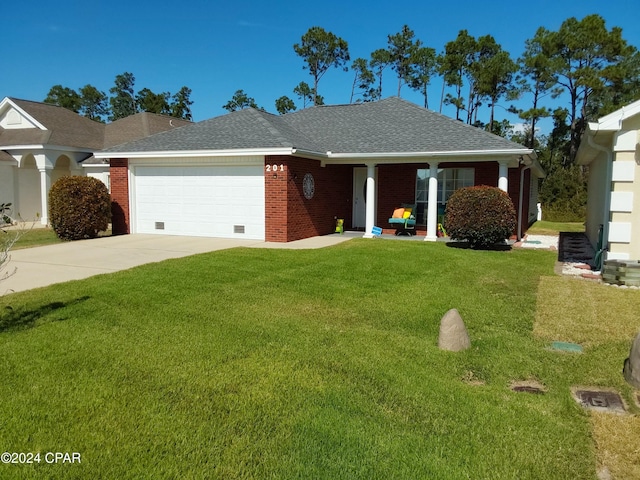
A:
[566,347]
[599,400]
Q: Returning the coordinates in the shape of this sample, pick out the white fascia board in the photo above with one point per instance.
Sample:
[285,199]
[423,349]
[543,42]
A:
[8,101]
[455,153]
[406,157]
[95,165]
[197,153]
[55,148]
[613,121]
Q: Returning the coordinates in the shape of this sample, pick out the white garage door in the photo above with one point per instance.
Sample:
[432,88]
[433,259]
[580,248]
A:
[208,201]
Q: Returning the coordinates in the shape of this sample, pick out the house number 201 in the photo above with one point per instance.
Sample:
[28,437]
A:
[275,168]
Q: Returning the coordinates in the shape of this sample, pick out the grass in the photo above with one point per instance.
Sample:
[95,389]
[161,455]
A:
[543,227]
[252,363]
[39,237]
[36,237]
[604,320]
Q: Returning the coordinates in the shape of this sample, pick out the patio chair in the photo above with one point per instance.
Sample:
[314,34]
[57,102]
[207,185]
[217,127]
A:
[404,219]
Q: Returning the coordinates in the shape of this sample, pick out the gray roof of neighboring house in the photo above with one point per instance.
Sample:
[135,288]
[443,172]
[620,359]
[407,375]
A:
[392,125]
[138,126]
[64,128]
[68,129]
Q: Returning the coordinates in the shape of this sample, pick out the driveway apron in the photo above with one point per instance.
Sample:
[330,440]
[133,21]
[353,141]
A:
[42,266]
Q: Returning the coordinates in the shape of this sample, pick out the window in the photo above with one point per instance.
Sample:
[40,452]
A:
[449,180]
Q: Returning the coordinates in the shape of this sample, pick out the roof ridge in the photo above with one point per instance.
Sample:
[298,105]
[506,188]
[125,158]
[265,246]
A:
[271,127]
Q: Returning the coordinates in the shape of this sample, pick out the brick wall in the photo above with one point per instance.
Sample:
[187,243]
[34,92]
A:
[289,215]
[119,172]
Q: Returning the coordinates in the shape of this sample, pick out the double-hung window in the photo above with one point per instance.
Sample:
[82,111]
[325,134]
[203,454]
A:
[449,180]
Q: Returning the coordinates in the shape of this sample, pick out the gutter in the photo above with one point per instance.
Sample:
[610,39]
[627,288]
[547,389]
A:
[196,153]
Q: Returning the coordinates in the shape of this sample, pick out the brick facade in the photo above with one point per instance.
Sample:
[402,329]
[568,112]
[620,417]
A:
[289,215]
[119,173]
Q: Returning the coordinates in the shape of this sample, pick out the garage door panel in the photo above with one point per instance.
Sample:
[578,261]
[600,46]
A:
[205,201]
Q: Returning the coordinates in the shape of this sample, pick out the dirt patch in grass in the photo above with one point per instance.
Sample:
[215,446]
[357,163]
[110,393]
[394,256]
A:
[617,447]
[528,386]
[572,310]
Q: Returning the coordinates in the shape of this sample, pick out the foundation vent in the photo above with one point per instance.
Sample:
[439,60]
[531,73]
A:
[159,225]
[238,229]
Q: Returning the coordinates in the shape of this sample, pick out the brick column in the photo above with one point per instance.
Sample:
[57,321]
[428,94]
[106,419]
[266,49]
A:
[119,172]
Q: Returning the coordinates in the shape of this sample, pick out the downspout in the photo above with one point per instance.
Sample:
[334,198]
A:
[607,198]
[520,199]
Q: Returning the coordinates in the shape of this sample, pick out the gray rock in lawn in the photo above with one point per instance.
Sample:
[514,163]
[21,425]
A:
[453,333]
[631,368]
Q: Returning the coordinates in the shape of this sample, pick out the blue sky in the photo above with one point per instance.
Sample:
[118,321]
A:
[217,47]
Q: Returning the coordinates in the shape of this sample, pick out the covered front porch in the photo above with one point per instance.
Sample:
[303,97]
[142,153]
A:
[381,187]
[27,176]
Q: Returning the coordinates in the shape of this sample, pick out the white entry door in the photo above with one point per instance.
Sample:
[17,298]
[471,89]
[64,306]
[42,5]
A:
[359,213]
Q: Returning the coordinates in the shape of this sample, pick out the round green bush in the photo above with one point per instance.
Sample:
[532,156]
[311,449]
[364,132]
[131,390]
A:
[481,215]
[79,207]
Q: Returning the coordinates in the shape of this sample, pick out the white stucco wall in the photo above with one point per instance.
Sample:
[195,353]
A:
[596,199]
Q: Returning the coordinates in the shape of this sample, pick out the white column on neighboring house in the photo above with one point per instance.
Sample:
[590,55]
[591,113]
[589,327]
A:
[503,176]
[370,201]
[45,185]
[432,205]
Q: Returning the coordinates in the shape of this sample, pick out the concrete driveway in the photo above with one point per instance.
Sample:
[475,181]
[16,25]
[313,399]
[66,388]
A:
[42,266]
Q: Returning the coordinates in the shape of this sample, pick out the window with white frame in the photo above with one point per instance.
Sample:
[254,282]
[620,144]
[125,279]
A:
[449,180]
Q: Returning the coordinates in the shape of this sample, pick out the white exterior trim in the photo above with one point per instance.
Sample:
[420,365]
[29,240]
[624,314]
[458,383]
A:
[620,232]
[621,201]
[7,101]
[175,154]
[623,171]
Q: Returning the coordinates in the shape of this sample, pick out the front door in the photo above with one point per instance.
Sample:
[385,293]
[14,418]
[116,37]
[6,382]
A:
[359,197]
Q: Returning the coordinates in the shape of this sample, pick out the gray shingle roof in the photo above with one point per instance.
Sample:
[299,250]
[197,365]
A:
[243,129]
[392,125]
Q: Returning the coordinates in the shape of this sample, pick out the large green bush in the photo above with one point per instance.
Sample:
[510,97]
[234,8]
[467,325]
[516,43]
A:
[481,215]
[79,207]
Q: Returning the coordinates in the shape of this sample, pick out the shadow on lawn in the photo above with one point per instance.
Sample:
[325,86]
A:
[18,319]
[499,247]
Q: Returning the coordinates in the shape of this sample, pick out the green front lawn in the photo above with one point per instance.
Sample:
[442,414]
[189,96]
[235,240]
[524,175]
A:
[543,227]
[252,363]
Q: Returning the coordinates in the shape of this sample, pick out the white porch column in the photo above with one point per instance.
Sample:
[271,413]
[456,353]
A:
[432,205]
[45,185]
[503,176]
[370,201]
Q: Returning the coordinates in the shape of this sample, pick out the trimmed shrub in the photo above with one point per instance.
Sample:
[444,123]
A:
[481,215]
[79,207]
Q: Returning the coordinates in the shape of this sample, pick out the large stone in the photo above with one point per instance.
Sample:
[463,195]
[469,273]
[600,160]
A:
[631,368]
[453,333]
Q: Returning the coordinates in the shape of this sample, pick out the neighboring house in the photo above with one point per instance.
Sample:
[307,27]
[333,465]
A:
[40,143]
[610,149]
[251,174]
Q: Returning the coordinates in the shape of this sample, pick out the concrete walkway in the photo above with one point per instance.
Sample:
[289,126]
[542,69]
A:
[42,266]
